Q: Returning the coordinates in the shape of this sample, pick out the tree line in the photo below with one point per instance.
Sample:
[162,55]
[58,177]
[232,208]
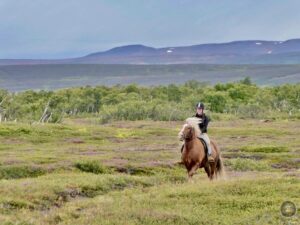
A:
[242,99]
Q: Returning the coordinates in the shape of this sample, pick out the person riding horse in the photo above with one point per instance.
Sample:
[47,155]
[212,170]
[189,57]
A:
[203,127]
[197,150]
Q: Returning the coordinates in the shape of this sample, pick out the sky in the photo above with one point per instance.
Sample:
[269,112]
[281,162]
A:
[48,29]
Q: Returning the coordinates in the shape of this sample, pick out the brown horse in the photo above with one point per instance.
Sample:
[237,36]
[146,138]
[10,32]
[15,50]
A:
[194,156]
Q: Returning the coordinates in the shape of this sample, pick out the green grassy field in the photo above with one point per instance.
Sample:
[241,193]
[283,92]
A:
[84,172]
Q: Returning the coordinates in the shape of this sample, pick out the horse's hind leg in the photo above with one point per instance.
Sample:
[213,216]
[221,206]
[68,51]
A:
[212,170]
[207,170]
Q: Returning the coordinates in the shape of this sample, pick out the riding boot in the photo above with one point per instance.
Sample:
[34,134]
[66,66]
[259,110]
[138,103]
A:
[210,159]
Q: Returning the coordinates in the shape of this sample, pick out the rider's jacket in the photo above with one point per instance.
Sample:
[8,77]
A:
[205,120]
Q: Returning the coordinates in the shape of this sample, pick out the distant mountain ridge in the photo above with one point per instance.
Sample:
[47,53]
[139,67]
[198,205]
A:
[236,52]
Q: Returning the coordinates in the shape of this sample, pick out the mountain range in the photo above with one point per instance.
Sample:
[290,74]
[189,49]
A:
[236,52]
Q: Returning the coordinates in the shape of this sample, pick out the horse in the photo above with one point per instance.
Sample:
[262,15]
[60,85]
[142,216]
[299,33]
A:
[193,152]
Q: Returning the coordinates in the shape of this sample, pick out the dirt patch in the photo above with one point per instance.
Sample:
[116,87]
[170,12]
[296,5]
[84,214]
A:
[116,162]
[239,137]
[12,162]
[293,174]
[167,164]
[12,141]
[117,140]
[74,140]
[287,165]
[66,196]
[90,153]
[162,148]
[255,157]
[135,170]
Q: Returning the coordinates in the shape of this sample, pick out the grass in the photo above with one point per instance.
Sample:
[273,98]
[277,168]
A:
[241,164]
[131,200]
[81,172]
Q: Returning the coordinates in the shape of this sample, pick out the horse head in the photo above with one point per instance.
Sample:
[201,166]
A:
[191,126]
[187,132]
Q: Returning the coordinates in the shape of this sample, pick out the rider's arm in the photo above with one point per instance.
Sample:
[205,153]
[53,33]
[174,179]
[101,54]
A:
[204,123]
[207,119]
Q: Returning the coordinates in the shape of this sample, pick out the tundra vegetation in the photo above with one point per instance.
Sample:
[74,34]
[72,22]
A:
[109,155]
[241,99]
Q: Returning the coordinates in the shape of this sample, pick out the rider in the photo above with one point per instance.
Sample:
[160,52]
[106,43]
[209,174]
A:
[203,127]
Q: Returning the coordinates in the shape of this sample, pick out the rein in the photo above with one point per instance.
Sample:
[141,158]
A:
[188,139]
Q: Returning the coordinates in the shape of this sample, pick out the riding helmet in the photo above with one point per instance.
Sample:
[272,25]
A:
[200,105]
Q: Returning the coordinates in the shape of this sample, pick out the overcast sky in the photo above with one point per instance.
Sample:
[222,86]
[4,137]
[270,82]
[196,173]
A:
[71,28]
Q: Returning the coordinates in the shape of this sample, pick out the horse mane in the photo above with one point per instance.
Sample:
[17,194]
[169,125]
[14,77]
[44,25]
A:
[194,122]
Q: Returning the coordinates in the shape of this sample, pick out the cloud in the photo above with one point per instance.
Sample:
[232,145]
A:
[70,28]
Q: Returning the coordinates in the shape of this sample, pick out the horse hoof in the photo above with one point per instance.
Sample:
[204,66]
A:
[190,180]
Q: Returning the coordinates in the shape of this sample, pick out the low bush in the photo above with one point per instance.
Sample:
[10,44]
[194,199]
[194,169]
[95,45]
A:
[92,167]
[14,172]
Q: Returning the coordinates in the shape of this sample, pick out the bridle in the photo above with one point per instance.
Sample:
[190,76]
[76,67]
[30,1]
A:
[188,138]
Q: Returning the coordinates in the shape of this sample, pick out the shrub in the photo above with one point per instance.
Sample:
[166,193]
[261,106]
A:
[92,167]
[133,102]
[14,172]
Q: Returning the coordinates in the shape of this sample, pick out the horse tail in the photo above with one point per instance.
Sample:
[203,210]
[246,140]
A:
[220,167]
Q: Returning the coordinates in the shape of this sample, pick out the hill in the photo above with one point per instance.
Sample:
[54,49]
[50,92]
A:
[236,52]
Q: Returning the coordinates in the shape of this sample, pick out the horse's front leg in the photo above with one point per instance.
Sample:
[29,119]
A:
[192,171]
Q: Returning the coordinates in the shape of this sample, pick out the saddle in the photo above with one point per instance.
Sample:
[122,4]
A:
[204,144]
